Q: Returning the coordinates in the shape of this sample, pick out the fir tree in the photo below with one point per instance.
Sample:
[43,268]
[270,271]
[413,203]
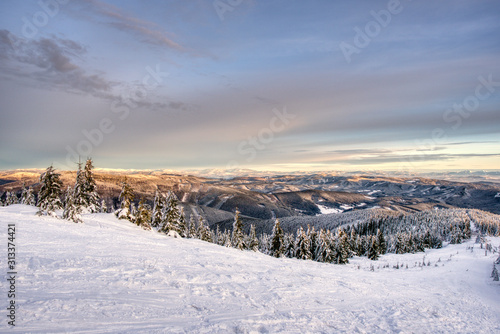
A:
[91,197]
[143,218]
[253,242]
[30,197]
[24,193]
[182,224]
[171,215]
[276,248]
[289,245]
[158,207]
[104,207]
[372,253]
[193,228]
[313,238]
[494,274]
[126,198]
[302,245]
[50,191]
[381,244]
[226,238]
[343,248]
[204,230]
[72,210]
[78,194]
[237,238]
[11,198]
[324,251]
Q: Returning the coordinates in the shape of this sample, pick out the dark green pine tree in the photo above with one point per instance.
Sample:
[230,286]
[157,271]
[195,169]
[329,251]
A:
[143,218]
[237,237]
[91,197]
[381,244]
[302,245]
[276,248]
[50,192]
[126,198]
[373,249]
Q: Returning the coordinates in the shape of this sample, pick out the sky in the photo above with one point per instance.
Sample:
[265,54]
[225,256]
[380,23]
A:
[266,85]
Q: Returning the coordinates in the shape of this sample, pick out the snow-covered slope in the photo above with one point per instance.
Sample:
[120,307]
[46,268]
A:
[109,276]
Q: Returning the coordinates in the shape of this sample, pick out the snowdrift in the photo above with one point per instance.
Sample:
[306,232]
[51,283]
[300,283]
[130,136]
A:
[109,276]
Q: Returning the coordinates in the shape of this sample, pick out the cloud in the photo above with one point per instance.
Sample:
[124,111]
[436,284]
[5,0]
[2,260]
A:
[49,61]
[52,62]
[148,32]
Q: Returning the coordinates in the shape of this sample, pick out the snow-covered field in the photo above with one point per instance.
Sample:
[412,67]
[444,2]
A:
[109,276]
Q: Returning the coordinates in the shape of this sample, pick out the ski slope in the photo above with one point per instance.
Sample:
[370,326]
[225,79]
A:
[109,276]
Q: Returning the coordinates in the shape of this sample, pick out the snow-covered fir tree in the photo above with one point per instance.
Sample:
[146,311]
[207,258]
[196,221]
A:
[182,224]
[494,273]
[143,217]
[50,192]
[302,245]
[324,250]
[252,241]
[343,248]
[313,240]
[204,232]
[289,245]
[381,244]
[28,197]
[192,227]
[237,237]
[226,239]
[373,250]
[126,198]
[11,198]
[72,210]
[91,197]
[159,204]
[104,206]
[79,197]
[276,247]
[171,215]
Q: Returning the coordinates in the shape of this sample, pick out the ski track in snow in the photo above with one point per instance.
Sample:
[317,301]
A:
[109,276]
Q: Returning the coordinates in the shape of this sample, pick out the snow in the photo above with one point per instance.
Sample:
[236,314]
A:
[326,210]
[109,276]
[346,207]
[497,195]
